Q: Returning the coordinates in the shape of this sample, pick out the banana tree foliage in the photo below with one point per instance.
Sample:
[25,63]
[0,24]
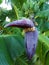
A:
[39,9]
[12,50]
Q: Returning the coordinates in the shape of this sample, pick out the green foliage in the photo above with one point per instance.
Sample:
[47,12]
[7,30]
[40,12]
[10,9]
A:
[0,1]
[11,47]
[4,55]
[43,48]
[12,50]
[18,2]
[15,45]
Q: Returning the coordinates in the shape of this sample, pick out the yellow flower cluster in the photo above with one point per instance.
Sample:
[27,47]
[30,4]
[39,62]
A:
[29,29]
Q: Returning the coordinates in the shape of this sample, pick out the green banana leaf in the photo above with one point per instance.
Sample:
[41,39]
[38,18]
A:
[5,58]
[43,49]
[12,50]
